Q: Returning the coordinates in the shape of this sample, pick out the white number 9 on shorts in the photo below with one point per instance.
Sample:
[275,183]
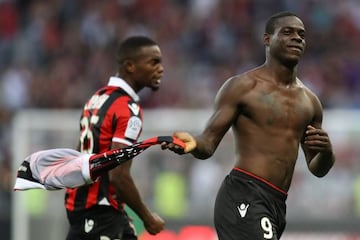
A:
[267,227]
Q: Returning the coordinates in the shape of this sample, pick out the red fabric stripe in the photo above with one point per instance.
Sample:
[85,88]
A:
[91,199]
[178,142]
[70,201]
[261,179]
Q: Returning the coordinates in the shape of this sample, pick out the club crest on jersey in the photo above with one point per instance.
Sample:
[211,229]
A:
[133,128]
[135,109]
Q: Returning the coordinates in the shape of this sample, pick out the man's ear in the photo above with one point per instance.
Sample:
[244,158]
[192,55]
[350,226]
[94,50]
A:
[266,39]
[129,66]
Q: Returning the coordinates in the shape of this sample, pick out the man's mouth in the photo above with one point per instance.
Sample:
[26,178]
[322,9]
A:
[295,47]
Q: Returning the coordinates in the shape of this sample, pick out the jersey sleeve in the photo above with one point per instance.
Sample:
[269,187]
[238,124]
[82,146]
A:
[128,122]
[54,169]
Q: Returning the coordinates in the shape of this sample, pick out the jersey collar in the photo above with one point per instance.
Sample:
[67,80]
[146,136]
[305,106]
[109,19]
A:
[119,82]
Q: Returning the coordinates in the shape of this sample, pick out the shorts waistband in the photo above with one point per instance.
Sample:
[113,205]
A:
[275,190]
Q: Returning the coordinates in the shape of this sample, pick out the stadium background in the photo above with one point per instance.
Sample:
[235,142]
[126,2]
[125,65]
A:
[55,53]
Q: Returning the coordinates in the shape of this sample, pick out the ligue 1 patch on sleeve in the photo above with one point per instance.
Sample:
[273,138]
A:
[133,128]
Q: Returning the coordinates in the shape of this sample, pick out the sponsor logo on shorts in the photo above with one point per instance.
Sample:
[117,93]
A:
[89,225]
[242,208]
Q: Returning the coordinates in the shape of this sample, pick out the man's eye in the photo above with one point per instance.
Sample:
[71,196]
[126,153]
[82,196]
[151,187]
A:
[287,32]
[154,62]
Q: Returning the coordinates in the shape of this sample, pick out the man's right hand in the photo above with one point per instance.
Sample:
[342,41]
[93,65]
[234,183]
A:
[187,138]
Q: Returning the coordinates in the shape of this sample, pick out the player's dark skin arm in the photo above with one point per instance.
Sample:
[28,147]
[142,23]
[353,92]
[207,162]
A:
[120,178]
[317,146]
[225,113]
[226,110]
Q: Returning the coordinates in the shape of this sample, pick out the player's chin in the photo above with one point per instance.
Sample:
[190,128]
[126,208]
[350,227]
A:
[294,57]
[292,61]
[155,87]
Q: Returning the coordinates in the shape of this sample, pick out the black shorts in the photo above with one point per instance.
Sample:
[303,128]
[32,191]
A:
[248,207]
[100,223]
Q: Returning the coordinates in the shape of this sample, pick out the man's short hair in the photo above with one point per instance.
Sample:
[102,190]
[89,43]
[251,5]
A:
[271,22]
[129,48]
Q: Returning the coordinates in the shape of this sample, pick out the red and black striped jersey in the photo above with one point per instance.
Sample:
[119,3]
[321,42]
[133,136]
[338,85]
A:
[112,114]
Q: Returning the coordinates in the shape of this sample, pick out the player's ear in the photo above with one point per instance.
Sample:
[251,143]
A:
[266,39]
[129,66]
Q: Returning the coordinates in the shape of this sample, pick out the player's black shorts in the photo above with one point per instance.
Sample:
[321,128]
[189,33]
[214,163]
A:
[248,207]
[100,223]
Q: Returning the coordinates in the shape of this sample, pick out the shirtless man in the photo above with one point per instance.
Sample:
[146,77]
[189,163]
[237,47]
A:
[271,113]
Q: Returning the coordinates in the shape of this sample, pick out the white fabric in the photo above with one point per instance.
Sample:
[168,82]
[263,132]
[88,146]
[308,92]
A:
[119,82]
[23,184]
[56,169]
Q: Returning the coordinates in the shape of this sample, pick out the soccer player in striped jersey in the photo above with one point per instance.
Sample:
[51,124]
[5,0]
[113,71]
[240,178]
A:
[112,118]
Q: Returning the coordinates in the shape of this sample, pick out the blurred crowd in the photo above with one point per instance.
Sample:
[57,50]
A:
[55,53]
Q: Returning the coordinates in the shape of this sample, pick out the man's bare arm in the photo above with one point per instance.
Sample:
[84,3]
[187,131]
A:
[316,144]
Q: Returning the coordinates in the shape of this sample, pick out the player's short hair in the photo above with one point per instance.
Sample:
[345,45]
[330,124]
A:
[272,20]
[131,46]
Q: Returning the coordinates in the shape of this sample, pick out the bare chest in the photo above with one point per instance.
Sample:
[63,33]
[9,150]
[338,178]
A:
[280,107]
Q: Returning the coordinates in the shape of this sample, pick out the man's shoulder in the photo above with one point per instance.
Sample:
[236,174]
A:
[307,89]
[310,94]
[247,78]
[238,84]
